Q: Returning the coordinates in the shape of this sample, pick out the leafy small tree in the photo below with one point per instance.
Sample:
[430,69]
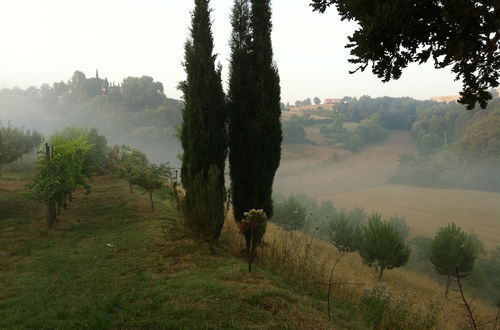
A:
[316,100]
[343,234]
[97,158]
[131,163]
[60,171]
[453,252]
[15,142]
[151,178]
[381,245]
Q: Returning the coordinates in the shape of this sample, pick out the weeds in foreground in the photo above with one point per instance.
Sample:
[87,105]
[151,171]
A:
[315,267]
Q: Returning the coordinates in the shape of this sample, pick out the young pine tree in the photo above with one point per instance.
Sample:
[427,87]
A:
[453,251]
[254,111]
[381,245]
[203,135]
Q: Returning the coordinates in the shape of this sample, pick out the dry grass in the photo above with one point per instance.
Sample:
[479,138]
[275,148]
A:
[309,173]
[308,261]
[426,210]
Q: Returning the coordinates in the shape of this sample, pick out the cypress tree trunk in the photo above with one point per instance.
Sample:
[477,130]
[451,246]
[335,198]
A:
[203,135]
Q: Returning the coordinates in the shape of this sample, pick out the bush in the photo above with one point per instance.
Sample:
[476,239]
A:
[293,133]
[289,214]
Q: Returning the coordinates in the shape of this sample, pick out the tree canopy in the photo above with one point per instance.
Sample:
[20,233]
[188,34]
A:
[463,34]
[381,245]
[453,252]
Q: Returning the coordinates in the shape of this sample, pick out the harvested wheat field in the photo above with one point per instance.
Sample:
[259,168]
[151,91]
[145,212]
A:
[360,180]
[425,210]
[311,172]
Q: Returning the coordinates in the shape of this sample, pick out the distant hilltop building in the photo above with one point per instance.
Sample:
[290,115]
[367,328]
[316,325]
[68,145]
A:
[332,101]
[446,99]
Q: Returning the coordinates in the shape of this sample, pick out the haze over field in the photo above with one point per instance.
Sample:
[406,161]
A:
[362,180]
[213,164]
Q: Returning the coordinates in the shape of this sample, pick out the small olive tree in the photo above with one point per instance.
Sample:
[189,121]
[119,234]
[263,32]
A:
[453,252]
[131,163]
[151,178]
[381,245]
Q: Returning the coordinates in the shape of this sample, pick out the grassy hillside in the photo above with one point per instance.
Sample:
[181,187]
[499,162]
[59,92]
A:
[108,264]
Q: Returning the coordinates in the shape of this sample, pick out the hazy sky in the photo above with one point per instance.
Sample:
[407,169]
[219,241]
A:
[46,41]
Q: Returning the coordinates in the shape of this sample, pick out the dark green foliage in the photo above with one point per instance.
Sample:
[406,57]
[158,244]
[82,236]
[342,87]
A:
[293,133]
[343,234]
[289,214]
[463,35]
[400,225]
[453,252]
[370,130]
[152,178]
[15,142]
[254,109]
[97,158]
[131,162]
[458,149]
[204,216]
[143,92]
[381,245]
[203,134]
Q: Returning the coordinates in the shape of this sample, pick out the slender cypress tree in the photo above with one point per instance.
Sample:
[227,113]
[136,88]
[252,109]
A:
[254,111]
[203,135]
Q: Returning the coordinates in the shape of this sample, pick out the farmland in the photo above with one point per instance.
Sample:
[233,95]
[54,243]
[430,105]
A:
[360,180]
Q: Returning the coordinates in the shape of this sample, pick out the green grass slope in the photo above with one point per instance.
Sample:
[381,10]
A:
[108,264]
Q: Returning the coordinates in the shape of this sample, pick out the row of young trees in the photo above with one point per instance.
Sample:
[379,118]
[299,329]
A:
[136,169]
[73,155]
[16,142]
[60,171]
[247,121]
[382,245]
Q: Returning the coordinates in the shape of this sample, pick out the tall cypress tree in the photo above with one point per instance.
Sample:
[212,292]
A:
[254,110]
[203,135]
